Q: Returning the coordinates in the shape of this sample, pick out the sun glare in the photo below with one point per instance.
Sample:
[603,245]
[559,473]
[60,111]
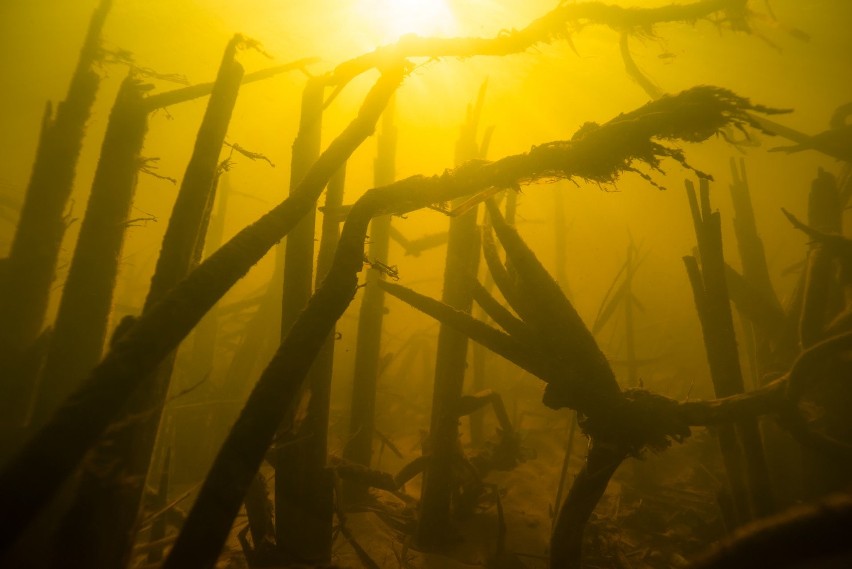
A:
[395,18]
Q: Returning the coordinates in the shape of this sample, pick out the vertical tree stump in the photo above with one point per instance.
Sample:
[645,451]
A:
[359,448]
[30,267]
[81,322]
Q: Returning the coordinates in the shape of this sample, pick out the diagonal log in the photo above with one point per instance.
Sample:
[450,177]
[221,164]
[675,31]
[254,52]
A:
[798,537]
[522,354]
[504,281]
[35,474]
[505,319]
[184,94]
[558,324]
[600,155]
[555,24]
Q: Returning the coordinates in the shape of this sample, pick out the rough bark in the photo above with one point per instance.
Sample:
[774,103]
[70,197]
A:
[302,517]
[101,523]
[753,258]
[555,24]
[80,327]
[259,510]
[81,322]
[359,447]
[798,537]
[182,95]
[822,471]
[35,474]
[714,310]
[205,335]
[462,260]
[29,269]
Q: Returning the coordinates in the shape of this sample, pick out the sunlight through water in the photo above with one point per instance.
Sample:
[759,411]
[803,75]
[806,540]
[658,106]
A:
[395,18]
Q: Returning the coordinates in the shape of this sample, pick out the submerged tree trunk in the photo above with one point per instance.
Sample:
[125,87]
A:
[359,448]
[566,543]
[101,523]
[78,337]
[81,323]
[462,262]
[29,269]
[822,300]
[34,476]
[753,258]
[302,516]
[742,447]
[205,336]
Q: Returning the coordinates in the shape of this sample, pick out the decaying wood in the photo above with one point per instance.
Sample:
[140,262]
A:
[81,322]
[778,398]
[80,328]
[275,394]
[35,474]
[598,154]
[368,343]
[566,546]
[795,538]
[556,24]
[29,268]
[158,526]
[747,463]
[462,259]
[755,272]
[415,247]
[302,519]
[119,465]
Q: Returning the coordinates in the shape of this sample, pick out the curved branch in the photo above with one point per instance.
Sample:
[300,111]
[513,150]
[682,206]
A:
[32,478]
[505,283]
[553,25]
[275,393]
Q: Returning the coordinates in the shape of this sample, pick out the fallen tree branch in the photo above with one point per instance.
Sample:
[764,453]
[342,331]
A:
[599,154]
[556,24]
[32,478]
[794,538]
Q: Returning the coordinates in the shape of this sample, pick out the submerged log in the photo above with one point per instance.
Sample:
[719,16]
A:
[102,521]
[276,393]
[555,24]
[35,474]
[798,537]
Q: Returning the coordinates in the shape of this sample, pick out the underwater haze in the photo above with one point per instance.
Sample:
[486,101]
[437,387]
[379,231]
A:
[425,283]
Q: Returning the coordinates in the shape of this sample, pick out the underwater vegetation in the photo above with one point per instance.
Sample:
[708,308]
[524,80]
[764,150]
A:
[406,380]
